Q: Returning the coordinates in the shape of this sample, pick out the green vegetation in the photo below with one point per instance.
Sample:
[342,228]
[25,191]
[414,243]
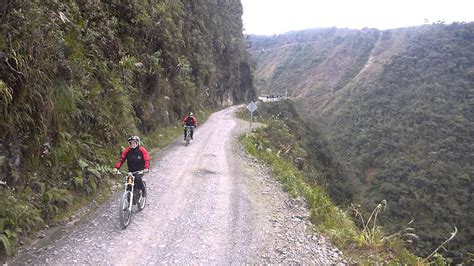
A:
[77,77]
[283,144]
[396,107]
[304,144]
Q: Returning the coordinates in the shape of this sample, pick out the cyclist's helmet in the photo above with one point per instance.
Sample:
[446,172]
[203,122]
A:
[133,142]
[191,114]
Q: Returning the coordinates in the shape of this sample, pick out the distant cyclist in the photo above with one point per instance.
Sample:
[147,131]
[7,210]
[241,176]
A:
[189,120]
[137,160]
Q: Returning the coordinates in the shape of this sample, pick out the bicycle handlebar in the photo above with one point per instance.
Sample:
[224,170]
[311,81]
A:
[137,172]
[134,173]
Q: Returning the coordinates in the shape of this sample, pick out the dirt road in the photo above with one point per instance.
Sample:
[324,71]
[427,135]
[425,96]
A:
[208,203]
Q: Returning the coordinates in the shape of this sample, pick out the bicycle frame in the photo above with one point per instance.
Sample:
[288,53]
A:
[129,186]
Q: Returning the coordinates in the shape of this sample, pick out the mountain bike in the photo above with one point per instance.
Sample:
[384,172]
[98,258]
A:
[187,139]
[130,197]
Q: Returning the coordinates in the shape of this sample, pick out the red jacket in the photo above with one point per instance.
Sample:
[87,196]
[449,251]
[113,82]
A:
[137,159]
[189,121]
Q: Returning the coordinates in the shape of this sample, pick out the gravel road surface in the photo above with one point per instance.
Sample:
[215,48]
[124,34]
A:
[208,203]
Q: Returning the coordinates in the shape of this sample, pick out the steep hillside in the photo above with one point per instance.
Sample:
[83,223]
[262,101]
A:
[399,112]
[314,62]
[77,77]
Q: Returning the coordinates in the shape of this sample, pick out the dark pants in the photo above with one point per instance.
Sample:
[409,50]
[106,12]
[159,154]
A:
[190,130]
[139,182]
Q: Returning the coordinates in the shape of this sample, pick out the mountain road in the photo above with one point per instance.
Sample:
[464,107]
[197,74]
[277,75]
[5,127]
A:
[208,203]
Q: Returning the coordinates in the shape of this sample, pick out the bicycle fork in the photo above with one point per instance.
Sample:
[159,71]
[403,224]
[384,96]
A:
[131,183]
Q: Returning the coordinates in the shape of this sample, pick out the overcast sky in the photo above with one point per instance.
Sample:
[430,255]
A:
[268,17]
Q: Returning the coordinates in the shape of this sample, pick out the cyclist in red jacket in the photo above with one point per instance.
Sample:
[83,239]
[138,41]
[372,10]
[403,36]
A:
[137,160]
[189,120]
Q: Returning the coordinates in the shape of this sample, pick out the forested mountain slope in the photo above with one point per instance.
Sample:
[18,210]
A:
[397,106]
[77,77]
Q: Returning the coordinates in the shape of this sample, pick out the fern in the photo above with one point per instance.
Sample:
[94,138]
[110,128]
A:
[7,244]
[6,95]
[56,199]
[78,182]
[83,164]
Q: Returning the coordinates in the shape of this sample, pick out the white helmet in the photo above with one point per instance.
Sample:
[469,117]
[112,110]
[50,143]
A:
[133,142]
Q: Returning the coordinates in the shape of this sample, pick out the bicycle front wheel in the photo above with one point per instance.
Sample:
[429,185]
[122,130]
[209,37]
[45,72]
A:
[125,214]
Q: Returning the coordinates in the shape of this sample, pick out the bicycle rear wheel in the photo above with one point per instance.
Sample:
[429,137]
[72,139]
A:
[125,214]
[142,200]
